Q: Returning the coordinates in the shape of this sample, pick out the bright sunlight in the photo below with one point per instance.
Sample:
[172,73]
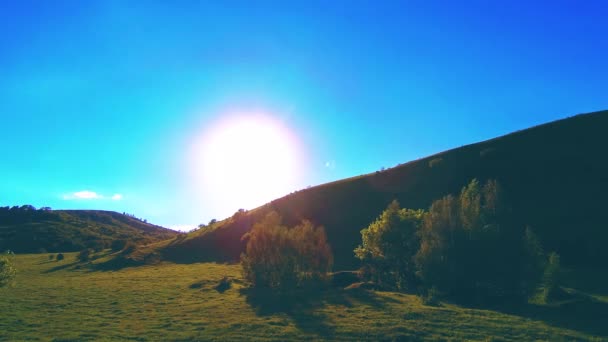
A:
[245,160]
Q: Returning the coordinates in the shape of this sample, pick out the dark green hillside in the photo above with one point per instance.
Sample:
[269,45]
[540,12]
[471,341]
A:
[25,229]
[556,177]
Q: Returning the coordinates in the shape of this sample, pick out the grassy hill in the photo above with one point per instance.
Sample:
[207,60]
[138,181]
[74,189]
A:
[61,301]
[26,230]
[555,175]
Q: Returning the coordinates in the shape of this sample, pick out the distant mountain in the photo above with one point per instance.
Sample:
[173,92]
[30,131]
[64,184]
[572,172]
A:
[555,176]
[27,230]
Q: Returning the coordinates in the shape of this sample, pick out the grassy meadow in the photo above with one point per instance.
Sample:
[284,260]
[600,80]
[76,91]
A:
[69,301]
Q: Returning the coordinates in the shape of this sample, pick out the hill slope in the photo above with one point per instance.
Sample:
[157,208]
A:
[555,175]
[26,230]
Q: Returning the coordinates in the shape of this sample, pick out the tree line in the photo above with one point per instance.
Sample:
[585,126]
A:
[468,246]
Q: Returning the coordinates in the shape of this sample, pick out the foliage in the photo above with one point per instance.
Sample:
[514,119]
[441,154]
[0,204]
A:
[389,245]
[118,245]
[7,269]
[551,277]
[435,162]
[129,248]
[283,258]
[470,247]
[224,284]
[60,257]
[465,245]
[85,254]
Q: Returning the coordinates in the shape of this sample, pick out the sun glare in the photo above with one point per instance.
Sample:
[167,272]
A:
[246,160]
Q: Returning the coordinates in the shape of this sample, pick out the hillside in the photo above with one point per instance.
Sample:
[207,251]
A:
[554,174]
[26,230]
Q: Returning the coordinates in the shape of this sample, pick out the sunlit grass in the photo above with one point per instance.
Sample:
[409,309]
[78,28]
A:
[178,302]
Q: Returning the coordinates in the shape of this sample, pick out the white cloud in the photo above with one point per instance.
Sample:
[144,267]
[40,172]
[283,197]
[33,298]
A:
[84,195]
[117,197]
[331,164]
[183,227]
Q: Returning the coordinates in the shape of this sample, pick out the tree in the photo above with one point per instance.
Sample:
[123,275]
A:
[389,245]
[85,254]
[7,270]
[282,258]
[551,276]
[471,246]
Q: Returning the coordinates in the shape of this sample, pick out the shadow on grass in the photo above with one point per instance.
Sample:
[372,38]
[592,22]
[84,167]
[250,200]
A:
[63,266]
[577,311]
[302,306]
[117,263]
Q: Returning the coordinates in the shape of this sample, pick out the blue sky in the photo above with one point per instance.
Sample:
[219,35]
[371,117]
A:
[108,96]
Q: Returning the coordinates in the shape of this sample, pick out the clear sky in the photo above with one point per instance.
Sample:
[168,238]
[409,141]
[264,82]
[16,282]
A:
[148,107]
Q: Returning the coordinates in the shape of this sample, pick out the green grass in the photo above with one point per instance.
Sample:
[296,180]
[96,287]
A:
[69,301]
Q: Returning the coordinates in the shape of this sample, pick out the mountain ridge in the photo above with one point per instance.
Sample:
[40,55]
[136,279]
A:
[25,229]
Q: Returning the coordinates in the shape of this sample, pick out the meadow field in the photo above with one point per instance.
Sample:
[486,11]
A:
[71,301]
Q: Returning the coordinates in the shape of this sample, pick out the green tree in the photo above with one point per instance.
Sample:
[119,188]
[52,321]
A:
[7,270]
[472,247]
[389,245]
[85,254]
[551,276]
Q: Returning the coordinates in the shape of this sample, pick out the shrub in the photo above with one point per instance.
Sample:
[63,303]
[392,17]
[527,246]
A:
[435,162]
[85,254]
[152,258]
[431,297]
[7,270]
[51,257]
[551,277]
[224,284]
[282,258]
[118,245]
[59,257]
[129,248]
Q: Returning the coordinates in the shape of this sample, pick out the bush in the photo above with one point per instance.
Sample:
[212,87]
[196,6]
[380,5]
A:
[551,277]
[51,257]
[224,284]
[431,297]
[118,245]
[85,254]
[7,270]
[152,258]
[59,257]
[129,248]
[436,162]
[282,258]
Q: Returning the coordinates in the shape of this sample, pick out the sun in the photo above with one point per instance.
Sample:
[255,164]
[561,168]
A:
[246,160]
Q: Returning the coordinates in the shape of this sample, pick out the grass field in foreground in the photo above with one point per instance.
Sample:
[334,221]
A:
[60,301]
